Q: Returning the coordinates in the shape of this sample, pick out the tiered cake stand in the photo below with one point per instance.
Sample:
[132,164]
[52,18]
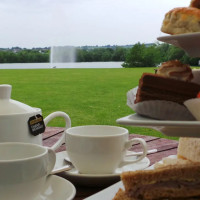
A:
[190,43]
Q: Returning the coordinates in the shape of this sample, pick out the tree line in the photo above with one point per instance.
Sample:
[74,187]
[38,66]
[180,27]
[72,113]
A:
[101,54]
[82,55]
[140,55]
[24,56]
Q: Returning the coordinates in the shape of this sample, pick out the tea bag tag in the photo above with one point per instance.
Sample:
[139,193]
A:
[36,125]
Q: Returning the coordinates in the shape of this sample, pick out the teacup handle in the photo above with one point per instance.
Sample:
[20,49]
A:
[68,125]
[129,144]
[52,160]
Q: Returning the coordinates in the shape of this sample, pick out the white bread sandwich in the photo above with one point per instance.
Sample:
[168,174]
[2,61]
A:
[189,149]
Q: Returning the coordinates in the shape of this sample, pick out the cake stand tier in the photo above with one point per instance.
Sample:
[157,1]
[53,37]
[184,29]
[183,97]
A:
[189,42]
[169,128]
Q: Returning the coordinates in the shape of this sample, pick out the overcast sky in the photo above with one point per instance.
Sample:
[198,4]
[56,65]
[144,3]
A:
[41,23]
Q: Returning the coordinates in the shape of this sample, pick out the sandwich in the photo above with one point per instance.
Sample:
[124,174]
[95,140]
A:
[174,179]
[189,149]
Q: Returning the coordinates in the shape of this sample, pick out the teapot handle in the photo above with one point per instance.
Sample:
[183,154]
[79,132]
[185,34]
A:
[68,125]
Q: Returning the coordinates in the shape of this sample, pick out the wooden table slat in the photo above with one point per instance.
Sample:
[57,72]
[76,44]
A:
[52,140]
[160,155]
[51,131]
[145,137]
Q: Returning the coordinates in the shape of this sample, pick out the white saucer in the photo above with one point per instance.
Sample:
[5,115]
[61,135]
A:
[169,128]
[96,179]
[110,192]
[189,42]
[57,188]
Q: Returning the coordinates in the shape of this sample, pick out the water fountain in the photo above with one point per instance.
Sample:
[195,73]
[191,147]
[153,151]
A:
[62,54]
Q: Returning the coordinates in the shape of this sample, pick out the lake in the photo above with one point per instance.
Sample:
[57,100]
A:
[61,65]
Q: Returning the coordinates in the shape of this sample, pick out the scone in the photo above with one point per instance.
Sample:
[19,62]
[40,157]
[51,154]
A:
[182,20]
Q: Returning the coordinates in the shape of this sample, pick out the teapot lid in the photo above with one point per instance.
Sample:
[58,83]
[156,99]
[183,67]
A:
[9,106]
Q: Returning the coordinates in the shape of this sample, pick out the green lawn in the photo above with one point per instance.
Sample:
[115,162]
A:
[88,96]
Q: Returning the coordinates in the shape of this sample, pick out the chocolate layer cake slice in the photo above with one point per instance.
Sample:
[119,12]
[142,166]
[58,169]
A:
[157,87]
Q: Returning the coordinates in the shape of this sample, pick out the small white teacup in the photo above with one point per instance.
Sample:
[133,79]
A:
[100,149]
[23,170]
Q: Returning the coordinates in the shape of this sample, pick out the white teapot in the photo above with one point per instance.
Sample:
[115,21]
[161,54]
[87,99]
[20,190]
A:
[22,123]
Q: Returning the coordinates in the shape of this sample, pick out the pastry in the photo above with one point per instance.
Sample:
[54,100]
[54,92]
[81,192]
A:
[176,70]
[161,95]
[172,82]
[156,87]
[182,20]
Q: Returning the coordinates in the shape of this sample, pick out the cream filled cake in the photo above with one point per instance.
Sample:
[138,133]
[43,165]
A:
[161,95]
[171,83]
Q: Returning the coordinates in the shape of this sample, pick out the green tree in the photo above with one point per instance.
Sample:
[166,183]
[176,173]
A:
[174,53]
[152,56]
[163,48]
[142,56]
[119,54]
[135,56]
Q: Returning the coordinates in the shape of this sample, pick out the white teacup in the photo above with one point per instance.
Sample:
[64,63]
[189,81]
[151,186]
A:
[23,170]
[100,149]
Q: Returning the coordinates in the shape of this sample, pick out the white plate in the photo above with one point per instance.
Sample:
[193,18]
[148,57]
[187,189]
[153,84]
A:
[57,188]
[169,128]
[109,193]
[96,179]
[189,42]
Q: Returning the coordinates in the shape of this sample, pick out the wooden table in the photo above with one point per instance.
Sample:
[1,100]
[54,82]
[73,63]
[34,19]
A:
[165,148]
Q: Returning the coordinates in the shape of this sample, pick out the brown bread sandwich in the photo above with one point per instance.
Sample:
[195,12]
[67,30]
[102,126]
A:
[175,177]
[180,180]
